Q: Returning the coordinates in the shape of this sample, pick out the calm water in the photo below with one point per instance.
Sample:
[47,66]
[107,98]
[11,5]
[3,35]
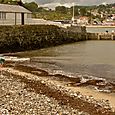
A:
[93,58]
[100,29]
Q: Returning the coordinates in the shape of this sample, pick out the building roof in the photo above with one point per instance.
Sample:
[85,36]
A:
[13,8]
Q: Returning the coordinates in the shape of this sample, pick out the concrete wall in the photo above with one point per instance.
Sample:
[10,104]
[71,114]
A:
[101,36]
[10,19]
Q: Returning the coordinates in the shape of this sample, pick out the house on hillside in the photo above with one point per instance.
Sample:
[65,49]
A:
[14,15]
[83,20]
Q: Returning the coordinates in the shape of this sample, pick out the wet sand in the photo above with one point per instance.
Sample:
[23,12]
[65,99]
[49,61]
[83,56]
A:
[97,95]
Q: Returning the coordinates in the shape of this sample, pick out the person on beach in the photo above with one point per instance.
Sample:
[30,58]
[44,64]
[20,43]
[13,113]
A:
[2,60]
[106,31]
[113,31]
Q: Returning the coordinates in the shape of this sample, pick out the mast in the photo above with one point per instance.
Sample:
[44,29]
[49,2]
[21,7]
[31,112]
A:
[73,19]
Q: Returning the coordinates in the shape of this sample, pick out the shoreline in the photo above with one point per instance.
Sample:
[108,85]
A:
[61,92]
[99,84]
[85,93]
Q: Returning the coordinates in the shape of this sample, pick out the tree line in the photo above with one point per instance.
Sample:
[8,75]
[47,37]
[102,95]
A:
[62,12]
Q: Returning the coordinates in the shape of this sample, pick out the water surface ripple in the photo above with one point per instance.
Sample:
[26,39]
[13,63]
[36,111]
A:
[93,58]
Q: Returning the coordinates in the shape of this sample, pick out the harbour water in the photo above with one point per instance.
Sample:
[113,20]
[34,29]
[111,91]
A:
[100,29]
[87,58]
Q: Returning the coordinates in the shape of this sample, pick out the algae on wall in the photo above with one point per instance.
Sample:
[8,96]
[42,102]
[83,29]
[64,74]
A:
[30,37]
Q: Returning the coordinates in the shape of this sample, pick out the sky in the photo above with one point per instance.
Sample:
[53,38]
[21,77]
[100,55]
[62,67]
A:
[53,3]
[82,2]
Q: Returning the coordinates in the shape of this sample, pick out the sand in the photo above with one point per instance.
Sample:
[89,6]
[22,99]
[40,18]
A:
[97,95]
[88,91]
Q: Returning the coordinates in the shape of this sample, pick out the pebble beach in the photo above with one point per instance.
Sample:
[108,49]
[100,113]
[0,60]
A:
[23,93]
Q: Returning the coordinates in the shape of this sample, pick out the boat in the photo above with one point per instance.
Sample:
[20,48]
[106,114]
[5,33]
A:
[15,59]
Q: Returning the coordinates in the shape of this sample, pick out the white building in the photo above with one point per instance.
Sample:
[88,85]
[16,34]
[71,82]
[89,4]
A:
[83,20]
[18,15]
[14,15]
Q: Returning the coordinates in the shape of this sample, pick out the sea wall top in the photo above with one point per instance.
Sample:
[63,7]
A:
[30,37]
[77,29]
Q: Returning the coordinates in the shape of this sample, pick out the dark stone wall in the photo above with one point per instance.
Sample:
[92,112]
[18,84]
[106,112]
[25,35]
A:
[30,37]
[92,36]
[78,29]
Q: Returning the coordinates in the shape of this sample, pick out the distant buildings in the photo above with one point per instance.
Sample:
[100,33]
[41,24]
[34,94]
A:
[18,15]
[83,20]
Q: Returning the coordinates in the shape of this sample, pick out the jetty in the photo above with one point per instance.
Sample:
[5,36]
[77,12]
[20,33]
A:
[101,36]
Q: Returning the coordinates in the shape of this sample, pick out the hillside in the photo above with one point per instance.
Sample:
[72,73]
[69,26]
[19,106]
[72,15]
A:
[65,13]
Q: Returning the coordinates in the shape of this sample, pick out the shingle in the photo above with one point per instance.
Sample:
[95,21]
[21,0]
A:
[13,8]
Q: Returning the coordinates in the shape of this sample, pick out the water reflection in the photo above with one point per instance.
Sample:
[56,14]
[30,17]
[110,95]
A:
[95,58]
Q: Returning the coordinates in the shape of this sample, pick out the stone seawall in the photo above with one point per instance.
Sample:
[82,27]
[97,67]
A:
[30,37]
[78,29]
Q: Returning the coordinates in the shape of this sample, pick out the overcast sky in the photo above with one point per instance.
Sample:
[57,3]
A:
[53,3]
[82,2]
